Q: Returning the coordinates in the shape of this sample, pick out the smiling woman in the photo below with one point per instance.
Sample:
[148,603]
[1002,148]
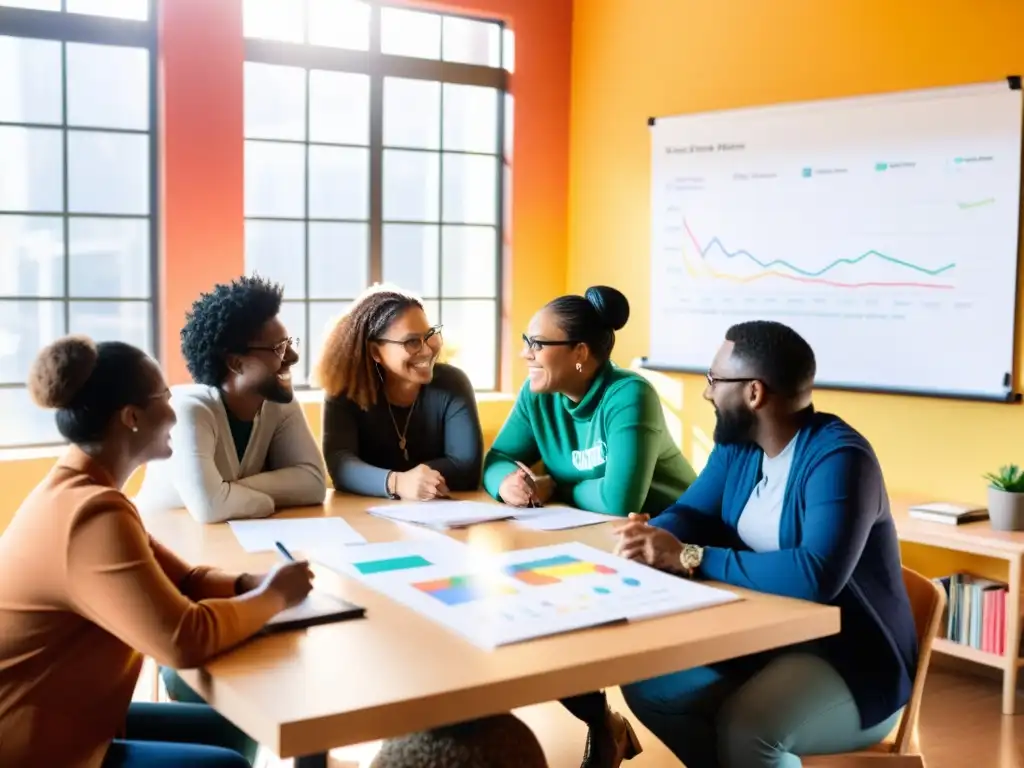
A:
[397,423]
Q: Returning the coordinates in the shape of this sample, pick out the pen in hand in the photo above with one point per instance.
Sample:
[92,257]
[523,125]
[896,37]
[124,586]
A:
[531,480]
[284,551]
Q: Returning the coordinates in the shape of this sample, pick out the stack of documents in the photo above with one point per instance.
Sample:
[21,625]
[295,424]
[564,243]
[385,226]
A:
[443,514]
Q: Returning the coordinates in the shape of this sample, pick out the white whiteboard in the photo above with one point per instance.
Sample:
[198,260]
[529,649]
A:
[884,229]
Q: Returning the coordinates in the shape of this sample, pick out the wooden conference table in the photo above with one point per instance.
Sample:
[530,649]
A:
[303,693]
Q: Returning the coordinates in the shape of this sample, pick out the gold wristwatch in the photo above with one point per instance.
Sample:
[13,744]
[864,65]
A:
[690,558]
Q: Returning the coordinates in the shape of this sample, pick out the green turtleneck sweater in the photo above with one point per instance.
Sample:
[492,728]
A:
[610,452]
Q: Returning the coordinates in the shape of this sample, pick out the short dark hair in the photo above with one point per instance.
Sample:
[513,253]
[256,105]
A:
[88,383]
[592,318]
[776,354]
[225,321]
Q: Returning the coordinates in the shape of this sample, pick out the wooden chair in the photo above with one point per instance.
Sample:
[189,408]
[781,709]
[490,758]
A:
[927,601]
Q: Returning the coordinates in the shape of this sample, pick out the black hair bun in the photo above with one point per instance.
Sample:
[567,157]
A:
[60,370]
[611,305]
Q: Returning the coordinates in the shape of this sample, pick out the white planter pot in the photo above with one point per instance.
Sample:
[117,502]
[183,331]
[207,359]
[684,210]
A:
[1005,510]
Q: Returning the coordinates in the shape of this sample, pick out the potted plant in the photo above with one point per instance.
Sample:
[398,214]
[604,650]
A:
[1006,498]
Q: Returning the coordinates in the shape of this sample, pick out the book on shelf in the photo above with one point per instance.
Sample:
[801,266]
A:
[950,514]
[975,612]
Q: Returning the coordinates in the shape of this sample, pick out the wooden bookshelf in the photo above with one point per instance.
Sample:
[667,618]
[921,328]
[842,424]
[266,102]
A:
[976,539]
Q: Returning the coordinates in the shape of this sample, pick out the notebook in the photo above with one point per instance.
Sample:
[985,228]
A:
[317,608]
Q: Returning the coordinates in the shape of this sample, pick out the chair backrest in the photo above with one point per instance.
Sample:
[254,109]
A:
[927,601]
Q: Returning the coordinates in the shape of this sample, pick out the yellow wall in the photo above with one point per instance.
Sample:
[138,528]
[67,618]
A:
[637,58]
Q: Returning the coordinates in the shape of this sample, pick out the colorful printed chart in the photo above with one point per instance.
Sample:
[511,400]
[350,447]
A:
[498,599]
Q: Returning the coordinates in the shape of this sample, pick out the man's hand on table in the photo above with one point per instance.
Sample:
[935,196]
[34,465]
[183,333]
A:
[649,545]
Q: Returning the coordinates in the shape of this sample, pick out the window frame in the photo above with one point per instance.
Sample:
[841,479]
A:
[378,65]
[65,27]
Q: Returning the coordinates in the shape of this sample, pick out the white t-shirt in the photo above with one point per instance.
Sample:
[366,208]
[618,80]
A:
[759,522]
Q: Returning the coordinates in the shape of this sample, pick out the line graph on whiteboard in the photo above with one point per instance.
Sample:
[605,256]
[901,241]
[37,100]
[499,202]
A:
[883,229]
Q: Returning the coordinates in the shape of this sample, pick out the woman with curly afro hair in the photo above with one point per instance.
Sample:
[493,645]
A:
[397,423]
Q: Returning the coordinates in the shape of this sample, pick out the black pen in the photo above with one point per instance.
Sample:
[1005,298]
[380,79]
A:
[281,548]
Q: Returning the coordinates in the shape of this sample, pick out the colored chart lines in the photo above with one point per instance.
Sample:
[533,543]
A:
[391,564]
[975,203]
[456,590]
[554,569]
[771,269]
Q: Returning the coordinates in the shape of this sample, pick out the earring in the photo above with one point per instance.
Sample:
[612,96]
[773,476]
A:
[579,367]
[135,429]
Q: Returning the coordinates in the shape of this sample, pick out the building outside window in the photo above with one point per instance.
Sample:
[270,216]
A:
[77,187]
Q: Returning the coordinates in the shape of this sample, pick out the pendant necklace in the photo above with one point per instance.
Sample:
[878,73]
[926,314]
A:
[401,434]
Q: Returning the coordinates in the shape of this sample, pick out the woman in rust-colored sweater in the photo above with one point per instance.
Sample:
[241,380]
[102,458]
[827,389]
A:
[85,593]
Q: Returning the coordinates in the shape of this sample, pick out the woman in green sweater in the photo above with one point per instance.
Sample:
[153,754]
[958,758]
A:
[599,430]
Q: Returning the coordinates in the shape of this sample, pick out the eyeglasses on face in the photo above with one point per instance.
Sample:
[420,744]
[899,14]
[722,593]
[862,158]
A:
[712,379]
[280,349]
[414,344]
[536,345]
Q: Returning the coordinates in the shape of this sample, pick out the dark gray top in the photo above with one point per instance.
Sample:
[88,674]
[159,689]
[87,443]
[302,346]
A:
[361,447]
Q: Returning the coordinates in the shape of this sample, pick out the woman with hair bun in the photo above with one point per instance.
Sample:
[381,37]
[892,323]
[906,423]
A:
[600,433]
[86,593]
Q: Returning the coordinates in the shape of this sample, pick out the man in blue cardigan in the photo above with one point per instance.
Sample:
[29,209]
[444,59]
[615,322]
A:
[791,502]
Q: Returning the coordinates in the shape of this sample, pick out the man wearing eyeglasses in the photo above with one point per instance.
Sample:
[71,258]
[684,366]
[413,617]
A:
[242,446]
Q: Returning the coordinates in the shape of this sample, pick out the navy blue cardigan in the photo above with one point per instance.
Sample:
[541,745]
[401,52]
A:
[838,546]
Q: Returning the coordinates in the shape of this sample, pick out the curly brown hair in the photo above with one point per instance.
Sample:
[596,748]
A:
[346,367]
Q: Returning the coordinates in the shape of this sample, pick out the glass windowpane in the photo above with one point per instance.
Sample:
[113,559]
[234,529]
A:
[31,169]
[412,113]
[410,257]
[339,107]
[410,33]
[26,327]
[108,172]
[109,258]
[273,20]
[30,81]
[339,182]
[470,118]
[338,259]
[24,422]
[470,189]
[411,185]
[470,336]
[469,41]
[137,10]
[31,256]
[469,261]
[276,250]
[340,24]
[275,102]
[127,321]
[108,86]
[275,179]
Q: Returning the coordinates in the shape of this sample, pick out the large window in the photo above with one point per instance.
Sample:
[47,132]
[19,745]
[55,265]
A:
[76,186]
[373,152]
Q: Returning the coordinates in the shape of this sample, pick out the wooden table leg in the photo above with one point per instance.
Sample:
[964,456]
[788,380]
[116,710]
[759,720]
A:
[1010,658]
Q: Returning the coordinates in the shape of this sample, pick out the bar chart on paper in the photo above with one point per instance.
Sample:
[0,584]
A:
[498,599]
[883,229]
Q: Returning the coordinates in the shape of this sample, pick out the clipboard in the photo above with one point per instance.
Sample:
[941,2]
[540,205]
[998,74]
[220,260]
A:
[317,608]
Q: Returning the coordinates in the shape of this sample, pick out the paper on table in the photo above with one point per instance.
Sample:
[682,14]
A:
[495,599]
[392,557]
[560,518]
[443,514]
[298,534]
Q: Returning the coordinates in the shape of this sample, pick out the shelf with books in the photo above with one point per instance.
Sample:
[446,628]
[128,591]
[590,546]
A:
[972,548]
